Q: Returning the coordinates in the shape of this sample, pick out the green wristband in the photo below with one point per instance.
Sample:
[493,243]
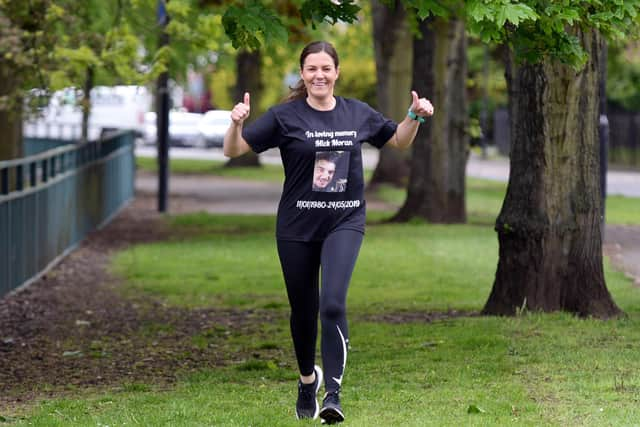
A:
[414,116]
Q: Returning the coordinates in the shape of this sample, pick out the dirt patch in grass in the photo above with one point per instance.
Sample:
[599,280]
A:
[417,317]
[72,329]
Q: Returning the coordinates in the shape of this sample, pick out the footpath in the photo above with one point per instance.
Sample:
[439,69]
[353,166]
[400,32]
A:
[224,195]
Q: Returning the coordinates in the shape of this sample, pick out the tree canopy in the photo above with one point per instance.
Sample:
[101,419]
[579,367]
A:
[537,29]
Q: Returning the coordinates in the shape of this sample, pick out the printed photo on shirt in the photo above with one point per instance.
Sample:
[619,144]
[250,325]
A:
[330,171]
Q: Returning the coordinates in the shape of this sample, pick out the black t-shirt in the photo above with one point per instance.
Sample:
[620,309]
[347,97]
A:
[321,153]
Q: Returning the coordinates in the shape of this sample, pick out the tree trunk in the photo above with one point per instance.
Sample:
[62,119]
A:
[11,119]
[437,182]
[391,36]
[86,103]
[549,225]
[248,66]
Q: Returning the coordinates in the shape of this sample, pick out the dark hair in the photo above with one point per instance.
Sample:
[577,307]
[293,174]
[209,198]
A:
[329,156]
[299,90]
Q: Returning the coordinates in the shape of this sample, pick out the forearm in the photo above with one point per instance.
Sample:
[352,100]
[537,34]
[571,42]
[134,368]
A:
[234,143]
[405,133]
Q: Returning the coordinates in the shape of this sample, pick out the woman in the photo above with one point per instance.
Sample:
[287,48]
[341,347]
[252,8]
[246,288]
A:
[319,229]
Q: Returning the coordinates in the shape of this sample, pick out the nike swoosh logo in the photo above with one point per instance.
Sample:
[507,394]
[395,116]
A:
[344,353]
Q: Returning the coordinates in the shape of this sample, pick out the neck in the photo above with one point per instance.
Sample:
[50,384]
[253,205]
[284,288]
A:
[323,104]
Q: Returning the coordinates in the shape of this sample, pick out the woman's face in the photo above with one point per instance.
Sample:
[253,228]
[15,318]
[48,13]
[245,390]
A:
[319,74]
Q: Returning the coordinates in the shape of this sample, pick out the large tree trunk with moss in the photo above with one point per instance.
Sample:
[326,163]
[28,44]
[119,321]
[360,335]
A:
[10,119]
[249,70]
[437,182]
[391,36]
[549,226]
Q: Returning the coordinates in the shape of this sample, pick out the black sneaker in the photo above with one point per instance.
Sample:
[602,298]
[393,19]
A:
[307,404]
[331,411]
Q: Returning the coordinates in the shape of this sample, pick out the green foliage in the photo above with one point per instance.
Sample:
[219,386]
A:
[314,11]
[94,35]
[253,25]
[500,12]
[537,29]
[25,45]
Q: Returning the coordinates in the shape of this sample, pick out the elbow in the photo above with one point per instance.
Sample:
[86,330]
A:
[232,151]
[229,152]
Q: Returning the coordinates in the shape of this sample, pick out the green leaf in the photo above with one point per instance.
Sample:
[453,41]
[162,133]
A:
[479,11]
[475,409]
[515,14]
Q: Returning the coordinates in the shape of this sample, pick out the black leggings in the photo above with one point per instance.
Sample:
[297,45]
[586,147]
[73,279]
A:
[301,264]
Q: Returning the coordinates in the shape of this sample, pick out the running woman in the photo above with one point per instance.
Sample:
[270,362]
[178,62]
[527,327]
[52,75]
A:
[321,215]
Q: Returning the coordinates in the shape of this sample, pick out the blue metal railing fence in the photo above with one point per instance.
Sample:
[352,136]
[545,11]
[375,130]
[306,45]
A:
[33,146]
[51,200]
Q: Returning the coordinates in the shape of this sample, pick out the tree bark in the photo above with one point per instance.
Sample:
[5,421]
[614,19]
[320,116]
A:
[10,82]
[549,226]
[10,119]
[391,36]
[86,102]
[248,80]
[437,181]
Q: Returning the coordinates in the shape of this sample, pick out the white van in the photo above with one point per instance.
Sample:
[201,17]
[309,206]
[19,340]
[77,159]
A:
[112,108]
[120,107]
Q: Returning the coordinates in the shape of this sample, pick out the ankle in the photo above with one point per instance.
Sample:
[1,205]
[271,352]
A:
[308,379]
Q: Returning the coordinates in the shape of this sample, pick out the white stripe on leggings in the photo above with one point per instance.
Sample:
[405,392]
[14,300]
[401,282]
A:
[344,353]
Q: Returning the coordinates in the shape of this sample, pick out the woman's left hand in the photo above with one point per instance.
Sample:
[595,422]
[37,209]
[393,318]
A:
[421,106]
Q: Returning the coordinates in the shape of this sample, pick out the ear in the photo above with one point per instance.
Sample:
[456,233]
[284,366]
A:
[337,72]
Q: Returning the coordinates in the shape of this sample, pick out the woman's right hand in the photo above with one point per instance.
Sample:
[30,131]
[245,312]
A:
[241,111]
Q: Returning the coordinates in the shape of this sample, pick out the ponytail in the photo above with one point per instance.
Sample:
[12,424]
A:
[298,91]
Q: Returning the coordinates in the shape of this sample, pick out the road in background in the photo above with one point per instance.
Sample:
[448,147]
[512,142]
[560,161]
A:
[496,168]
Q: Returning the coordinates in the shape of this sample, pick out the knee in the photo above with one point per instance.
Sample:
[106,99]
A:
[332,311]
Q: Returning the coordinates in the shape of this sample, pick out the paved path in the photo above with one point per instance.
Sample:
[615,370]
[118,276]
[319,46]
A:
[623,183]
[618,182]
[224,195]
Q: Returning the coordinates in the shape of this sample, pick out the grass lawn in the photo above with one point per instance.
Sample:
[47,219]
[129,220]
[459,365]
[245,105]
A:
[460,369]
[265,172]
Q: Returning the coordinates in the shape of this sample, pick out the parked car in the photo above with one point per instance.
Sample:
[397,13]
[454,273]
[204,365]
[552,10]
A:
[183,129]
[213,126]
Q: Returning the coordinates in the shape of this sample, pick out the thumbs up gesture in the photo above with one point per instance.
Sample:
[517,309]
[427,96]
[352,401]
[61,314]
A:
[241,110]
[421,106]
